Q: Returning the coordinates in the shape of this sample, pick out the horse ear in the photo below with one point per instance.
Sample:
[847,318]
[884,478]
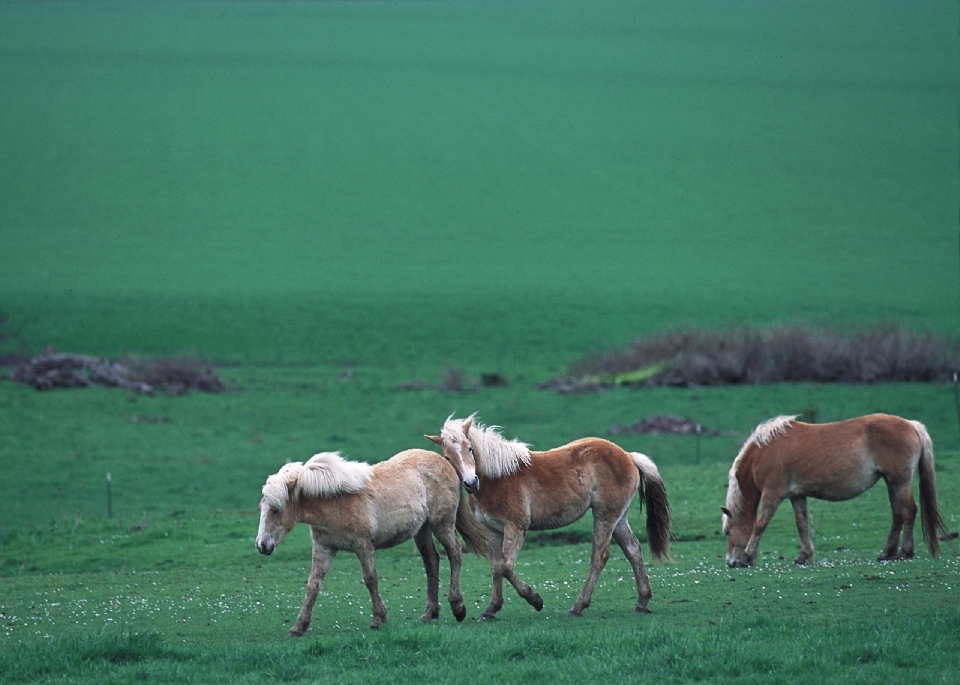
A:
[434,439]
[466,425]
[726,512]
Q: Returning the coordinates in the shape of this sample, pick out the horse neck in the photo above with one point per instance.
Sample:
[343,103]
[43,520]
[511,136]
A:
[749,491]
[310,510]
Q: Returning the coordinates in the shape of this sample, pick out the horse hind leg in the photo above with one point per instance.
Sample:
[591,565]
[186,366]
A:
[602,532]
[447,535]
[802,515]
[431,565]
[630,545]
[903,509]
[368,564]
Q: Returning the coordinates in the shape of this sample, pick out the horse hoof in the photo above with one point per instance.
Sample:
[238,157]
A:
[575,613]
[536,601]
[296,633]
[486,616]
[460,613]
[642,610]
[802,560]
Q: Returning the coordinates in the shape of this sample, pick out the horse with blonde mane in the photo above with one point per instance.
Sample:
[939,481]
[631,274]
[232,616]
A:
[514,490]
[360,508]
[785,458]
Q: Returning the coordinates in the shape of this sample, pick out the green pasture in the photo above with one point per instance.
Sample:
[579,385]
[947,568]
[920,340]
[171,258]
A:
[333,200]
[171,587]
[497,183]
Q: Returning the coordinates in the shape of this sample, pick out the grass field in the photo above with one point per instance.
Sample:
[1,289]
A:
[334,199]
[293,182]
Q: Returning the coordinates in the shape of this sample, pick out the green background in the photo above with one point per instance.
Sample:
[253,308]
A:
[509,183]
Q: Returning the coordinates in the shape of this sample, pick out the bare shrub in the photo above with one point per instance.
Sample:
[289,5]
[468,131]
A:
[776,355]
[52,369]
[177,375]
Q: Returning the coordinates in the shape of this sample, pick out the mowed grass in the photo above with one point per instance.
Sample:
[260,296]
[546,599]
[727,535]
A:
[171,588]
[200,451]
[196,603]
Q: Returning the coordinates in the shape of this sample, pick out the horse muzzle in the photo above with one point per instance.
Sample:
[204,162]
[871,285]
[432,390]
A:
[471,485]
[738,561]
[265,547]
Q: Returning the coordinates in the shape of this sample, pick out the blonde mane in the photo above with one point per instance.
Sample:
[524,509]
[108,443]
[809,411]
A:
[324,475]
[762,435]
[495,455]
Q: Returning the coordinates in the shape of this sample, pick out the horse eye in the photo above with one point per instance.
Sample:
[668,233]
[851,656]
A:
[470,449]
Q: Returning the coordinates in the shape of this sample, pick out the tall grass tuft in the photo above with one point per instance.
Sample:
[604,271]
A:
[783,354]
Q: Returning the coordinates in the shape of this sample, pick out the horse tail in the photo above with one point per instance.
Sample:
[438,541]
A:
[654,495]
[474,533]
[933,526]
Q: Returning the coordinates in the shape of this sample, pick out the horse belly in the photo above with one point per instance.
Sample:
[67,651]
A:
[398,525]
[557,514]
[839,488]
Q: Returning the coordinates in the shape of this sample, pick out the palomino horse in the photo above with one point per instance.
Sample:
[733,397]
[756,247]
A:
[360,508]
[515,490]
[832,461]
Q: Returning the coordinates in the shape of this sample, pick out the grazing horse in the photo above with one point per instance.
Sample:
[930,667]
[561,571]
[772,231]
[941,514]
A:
[360,508]
[785,458]
[514,490]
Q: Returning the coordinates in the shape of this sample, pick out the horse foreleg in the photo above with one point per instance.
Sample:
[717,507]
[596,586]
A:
[496,578]
[599,554]
[512,542]
[451,545]
[630,545]
[904,512]
[368,564]
[802,516]
[431,564]
[768,507]
[322,557]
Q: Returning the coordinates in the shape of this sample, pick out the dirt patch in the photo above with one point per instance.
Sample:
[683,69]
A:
[664,425]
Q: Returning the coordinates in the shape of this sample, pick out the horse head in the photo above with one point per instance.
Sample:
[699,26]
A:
[277,518]
[458,450]
[738,530]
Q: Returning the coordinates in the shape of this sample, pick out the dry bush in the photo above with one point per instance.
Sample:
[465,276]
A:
[776,355]
[177,375]
[52,369]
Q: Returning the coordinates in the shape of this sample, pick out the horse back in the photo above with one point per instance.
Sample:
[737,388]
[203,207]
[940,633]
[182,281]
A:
[559,485]
[404,492]
[834,461]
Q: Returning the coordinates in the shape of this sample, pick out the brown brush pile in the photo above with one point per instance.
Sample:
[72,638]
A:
[777,355]
[52,369]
